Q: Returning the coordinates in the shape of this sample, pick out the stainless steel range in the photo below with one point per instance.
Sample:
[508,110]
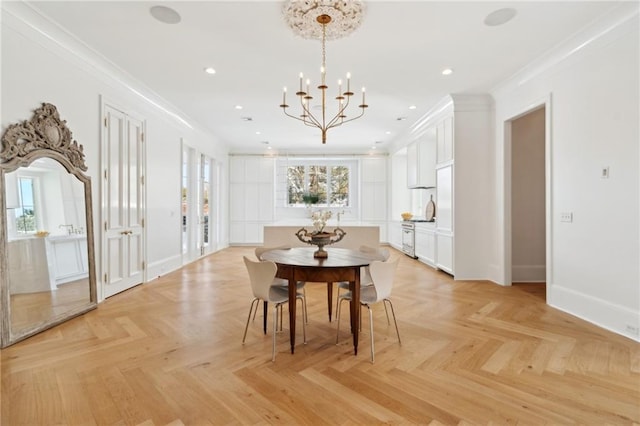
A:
[409,239]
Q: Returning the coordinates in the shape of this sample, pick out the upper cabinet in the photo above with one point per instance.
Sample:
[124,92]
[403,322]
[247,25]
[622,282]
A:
[444,139]
[421,161]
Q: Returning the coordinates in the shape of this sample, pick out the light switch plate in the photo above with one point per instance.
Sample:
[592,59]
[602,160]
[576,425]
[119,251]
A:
[604,174]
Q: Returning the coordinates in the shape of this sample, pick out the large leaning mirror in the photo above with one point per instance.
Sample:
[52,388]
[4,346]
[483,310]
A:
[47,257]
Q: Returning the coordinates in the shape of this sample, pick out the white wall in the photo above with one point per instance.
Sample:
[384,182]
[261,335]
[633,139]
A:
[41,63]
[591,85]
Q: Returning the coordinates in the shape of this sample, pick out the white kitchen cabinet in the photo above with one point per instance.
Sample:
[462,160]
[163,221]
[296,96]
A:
[421,161]
[426,243]
[374,195]
[67,258]
[464,137]
[444,198]
[373,187]
[444,259]
[412,165]
[445,139]
[395,235]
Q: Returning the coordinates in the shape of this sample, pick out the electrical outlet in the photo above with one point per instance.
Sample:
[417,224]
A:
[632,329]
[566,217]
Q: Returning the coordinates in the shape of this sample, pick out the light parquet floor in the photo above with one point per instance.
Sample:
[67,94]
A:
[169,352]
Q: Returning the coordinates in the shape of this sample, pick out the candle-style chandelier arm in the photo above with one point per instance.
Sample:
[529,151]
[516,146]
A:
[331,125]
[307,117]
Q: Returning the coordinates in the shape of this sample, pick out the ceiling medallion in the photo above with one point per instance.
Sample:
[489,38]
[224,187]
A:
[302,17]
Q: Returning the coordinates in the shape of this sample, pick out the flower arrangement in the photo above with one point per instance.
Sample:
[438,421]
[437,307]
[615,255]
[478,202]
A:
[319,219]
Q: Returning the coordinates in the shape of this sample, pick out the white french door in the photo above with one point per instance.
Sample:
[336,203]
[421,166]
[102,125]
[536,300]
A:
[123,201]
[199,204]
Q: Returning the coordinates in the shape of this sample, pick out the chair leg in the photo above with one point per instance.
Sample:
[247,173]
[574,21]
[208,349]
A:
[304,293]
[275,325]
[338,308]
[386,312]
[303,303]
[253,302]
[371,331]
[337,298]
[394,318]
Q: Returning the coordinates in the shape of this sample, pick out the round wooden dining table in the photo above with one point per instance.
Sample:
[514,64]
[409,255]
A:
[298,264]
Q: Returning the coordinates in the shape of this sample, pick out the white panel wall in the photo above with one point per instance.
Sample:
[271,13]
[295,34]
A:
[41,64]
[252,194]
[258,191]
[592,83]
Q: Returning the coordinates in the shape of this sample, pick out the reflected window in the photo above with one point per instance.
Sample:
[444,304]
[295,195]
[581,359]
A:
[26,212]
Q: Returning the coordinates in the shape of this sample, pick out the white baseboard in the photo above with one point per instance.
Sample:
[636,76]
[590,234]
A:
[612,317]
[528,273]
[163,267]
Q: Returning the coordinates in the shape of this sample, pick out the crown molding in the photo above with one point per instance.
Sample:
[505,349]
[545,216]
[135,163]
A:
[619,20]
[29,22]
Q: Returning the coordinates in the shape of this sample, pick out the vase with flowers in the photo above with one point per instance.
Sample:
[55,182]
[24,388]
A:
[319,236]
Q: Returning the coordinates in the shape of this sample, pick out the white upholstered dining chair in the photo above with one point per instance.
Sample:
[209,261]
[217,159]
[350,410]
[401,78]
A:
[300,285]
[382,275]
[379,253]
[261,276]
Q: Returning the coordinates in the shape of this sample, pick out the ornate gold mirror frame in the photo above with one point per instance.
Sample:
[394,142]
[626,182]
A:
[44,279]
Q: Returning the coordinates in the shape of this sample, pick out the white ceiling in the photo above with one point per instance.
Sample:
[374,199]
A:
[398,53]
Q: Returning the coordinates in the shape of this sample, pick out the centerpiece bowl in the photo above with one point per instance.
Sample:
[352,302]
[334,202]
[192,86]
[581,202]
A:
[320,239]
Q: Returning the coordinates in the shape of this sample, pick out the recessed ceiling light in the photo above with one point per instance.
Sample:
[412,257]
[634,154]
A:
[373,147]
[412,107]
[246,118]
[388,132]
[401,118]
[209,70]
[257,133]
[499,17]
[447,71]
[238,106]
[165,14]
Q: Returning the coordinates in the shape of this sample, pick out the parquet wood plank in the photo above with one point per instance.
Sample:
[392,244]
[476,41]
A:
[169,352]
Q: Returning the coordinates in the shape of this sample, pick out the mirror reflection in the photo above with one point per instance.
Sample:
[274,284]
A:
[47,251]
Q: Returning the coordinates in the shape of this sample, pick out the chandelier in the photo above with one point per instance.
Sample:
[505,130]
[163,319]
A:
[324,20]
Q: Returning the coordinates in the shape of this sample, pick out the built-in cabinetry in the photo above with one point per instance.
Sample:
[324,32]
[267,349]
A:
[67,258]
[463,180]
[460,129]
[251,196]
[373,187]
[426,242]
[421,161]
[444,193]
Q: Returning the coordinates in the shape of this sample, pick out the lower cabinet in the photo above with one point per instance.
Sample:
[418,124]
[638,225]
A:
[444,243]
[395,235]
[426,243]
[67,258]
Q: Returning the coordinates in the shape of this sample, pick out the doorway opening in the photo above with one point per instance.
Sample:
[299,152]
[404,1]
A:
[526,200]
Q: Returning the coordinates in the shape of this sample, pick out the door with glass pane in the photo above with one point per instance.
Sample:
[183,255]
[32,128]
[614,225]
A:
[198,204]
[203,206]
